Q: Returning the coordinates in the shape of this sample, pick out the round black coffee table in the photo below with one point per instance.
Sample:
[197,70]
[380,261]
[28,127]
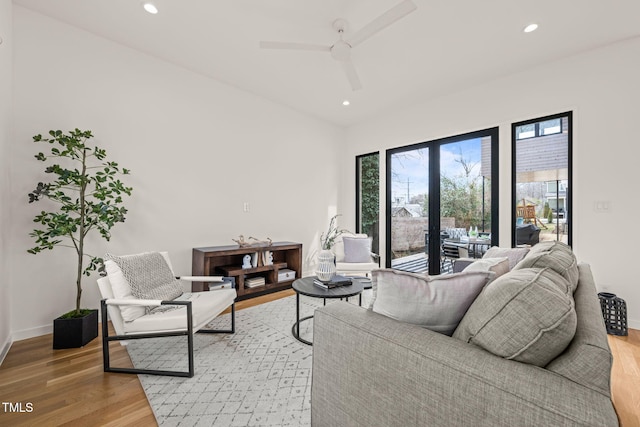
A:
[305,286]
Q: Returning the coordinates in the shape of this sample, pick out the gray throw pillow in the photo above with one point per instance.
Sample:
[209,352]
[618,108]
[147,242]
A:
[499,266]
[357,249]
[522,315]
[433,302]
[149,276]
[515,255]
[557,256]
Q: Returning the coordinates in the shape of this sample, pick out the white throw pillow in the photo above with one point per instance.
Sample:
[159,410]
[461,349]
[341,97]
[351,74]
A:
[357,249]
[437,303]
[338,246]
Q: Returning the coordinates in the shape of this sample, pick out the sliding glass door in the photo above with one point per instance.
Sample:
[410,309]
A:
[436,192]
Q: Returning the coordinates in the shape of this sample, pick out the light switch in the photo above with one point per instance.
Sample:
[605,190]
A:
[245,207]
[602,206]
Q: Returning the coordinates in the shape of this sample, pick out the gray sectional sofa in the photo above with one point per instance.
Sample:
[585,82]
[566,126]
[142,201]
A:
[372,370]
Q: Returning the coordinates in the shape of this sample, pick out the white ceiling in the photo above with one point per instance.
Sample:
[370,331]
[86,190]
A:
[442,47]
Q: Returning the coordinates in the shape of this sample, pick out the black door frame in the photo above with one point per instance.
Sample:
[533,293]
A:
[434,189]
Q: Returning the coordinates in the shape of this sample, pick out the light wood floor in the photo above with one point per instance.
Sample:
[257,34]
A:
[68,387]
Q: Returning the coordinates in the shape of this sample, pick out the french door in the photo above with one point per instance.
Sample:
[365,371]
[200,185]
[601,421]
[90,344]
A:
[435,190]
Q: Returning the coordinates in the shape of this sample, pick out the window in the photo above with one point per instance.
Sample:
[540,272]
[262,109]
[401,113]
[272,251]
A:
[542,179]
[550,127]
[368,197]
[543,128]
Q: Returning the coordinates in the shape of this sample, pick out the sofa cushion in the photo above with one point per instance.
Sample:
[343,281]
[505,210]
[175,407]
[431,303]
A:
[557,256]
[148,275]
[434,302]
[514,254]
[205,306]
[357,249]
[499,266]
[522,315]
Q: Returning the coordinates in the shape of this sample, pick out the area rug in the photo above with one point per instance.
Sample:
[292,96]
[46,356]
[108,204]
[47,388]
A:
[259,376]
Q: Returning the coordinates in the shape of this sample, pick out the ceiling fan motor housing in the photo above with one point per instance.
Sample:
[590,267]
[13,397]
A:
[341,51]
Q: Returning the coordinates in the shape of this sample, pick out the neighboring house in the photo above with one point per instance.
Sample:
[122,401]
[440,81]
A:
[401,212]
[407,211]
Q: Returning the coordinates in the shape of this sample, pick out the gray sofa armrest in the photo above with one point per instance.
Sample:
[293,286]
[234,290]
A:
[372,370]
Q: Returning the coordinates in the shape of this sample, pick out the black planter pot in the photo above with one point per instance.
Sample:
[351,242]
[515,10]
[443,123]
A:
[76,332]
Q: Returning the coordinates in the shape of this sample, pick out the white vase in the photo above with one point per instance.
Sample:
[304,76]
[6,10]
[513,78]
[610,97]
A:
[326,265]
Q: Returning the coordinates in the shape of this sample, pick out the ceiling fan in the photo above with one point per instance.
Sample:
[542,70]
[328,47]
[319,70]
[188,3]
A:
[341,49]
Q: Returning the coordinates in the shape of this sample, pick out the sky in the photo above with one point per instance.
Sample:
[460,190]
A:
[413,166]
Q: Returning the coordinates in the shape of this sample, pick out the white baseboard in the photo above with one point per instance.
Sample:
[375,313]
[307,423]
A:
[38,331]
[32,332]
[4,350]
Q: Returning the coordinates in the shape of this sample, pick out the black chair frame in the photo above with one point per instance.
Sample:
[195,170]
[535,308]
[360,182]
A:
[106,339]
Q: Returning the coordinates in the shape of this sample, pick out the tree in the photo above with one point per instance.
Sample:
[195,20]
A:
[370,195]
[88,195]
[461,195]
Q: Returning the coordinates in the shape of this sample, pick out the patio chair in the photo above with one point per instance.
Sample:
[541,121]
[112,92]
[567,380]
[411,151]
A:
[452,252]
[161,308]
[354,256]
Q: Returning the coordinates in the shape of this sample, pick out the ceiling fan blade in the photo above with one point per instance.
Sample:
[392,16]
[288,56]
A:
[352,75]
[296,46]
[381,22]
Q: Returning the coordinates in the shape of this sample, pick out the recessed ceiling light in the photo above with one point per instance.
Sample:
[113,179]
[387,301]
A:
[345,102]
[150,7]
[531,27]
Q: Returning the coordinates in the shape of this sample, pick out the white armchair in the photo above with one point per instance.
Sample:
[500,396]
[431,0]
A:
[145,300]
[354,256]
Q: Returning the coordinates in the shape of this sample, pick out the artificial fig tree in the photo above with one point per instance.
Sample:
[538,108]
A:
[88,195]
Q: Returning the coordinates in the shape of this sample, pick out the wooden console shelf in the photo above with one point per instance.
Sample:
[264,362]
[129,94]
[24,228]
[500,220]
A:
[227,261]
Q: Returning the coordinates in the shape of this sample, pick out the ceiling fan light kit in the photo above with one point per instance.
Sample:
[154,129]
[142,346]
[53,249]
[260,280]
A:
[341,49]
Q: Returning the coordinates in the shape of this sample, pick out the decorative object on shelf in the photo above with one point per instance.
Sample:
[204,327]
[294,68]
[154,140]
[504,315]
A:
[88,195]
[244,243]
[246,261]
[254,282]
[267,258]
[286,274]
[254,259]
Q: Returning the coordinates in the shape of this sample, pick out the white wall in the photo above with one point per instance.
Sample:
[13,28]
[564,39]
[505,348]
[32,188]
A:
[601,88]
[5,137]
[197,149]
